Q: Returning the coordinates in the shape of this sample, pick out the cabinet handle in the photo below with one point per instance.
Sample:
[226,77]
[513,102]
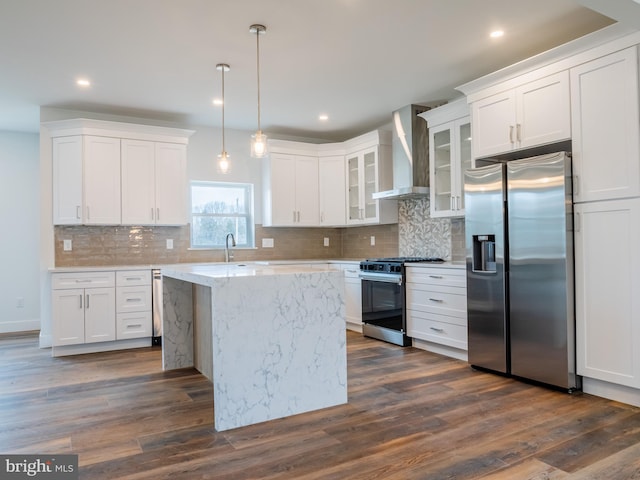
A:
[86,280]
[511,133]
[576,185]
[576,223]
[78,212]
[158,214]
[134,278]
[80,301]
[322,217]
[294,216]
[134,299]
[86,302]
[436,300]
[435,276]
[134,325]
[518,129]
[439,330]
[459,203]
[153,217]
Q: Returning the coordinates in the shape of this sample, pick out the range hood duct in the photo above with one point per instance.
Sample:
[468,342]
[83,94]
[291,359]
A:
[410,149]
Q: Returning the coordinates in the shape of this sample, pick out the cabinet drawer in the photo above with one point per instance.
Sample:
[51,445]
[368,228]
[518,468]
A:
[455,277]
[133,325]
[351,271]
[82,280]
[432,328]
[450,301]
[133,299]
[133,277]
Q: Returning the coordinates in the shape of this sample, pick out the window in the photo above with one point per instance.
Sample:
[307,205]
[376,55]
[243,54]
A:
[219,208]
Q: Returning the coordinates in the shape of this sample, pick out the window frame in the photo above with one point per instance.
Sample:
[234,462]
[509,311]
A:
[248,215]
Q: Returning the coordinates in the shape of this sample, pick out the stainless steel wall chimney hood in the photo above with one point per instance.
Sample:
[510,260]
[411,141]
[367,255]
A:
[410,147]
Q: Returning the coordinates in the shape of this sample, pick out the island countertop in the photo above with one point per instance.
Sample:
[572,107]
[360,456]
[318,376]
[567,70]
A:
[271,338]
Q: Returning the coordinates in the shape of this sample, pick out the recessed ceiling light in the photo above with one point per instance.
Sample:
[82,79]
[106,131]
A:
[496,34]
[217,101]
[83,82]
[323,117]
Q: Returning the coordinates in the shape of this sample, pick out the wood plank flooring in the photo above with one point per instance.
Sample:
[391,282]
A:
[411,415]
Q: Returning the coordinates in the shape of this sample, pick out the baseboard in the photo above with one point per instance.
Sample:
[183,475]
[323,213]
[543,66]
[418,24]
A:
[441,349]
[83,348]
[20,326]
[619,393]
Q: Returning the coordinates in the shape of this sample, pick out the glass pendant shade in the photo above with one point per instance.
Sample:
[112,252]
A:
[258,144]
[223,162]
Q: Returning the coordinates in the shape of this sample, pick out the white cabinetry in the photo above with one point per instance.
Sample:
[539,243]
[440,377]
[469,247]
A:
[133,304]
[332,184]
[368,171]
[607,235]
[83,307]
[290,190]
[606,137]
[353,297]
[437,308]
[154,185]
[521,117]
[449,157]
[86,180]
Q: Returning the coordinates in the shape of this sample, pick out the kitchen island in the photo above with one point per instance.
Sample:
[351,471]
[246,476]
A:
[271,338]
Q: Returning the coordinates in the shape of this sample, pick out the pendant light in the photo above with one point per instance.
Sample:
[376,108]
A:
[258,139]
[223,157]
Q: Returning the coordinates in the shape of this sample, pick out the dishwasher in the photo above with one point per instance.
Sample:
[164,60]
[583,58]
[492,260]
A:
[156,298]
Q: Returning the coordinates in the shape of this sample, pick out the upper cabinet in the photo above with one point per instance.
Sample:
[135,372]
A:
[108,173]
[449,157]
[86,176]
[520,117]
[331,183]
[153,183]
[606,137]
[369,170]
[290,190]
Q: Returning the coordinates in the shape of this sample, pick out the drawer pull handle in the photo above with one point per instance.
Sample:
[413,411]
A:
[435,276]
[134,299]
[134,325]
[436,300]
[439,330]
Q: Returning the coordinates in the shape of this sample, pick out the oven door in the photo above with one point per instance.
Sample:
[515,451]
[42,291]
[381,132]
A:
[383,300]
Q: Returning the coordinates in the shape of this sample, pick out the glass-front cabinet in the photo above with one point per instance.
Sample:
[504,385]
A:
[362,177]
[450,156]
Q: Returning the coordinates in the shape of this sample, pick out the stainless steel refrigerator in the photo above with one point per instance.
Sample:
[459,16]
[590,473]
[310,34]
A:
[519,242]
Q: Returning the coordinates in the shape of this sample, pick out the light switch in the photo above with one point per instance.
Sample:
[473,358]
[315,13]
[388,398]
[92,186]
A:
[373,240]
[267,243]
[326,241]
[169,243]
[66,245]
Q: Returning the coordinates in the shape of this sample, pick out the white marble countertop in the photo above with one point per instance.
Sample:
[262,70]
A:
[103,268]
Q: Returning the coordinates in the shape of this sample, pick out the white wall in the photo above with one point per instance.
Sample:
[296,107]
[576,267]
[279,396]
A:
[19,216]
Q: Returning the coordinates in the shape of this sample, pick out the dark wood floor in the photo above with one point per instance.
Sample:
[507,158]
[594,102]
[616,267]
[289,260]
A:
[411,415]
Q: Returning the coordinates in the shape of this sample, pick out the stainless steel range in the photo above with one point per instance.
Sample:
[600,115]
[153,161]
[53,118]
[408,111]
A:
[383,298]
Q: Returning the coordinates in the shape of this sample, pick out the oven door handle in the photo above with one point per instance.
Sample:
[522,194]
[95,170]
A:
[381,277]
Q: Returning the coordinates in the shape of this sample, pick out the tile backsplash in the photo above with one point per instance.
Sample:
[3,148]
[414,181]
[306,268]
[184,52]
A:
[416,234]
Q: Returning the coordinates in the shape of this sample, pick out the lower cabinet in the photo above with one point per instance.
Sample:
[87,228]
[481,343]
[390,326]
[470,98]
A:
[353,297]
[91,308]
[607,235]
[437,305]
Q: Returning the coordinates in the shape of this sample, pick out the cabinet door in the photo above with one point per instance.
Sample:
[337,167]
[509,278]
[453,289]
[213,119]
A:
[494,119]
[441,170]
[370,179]
[68,316]
[138,185]
[283,192]
[331,182]
[607,284]
[306,190]
[606,138]
[354,189]
[171,184]
[101,180]
[100,315]
[463,162]
[353,298]
[67,180]
[543,111]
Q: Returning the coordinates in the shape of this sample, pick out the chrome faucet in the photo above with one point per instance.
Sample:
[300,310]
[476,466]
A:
[227,254]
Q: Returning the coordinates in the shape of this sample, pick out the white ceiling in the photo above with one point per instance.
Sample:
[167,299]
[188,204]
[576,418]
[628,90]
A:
[355,60]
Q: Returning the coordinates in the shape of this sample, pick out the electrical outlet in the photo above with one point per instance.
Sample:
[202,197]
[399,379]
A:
[169,243]
[66,245]
[326,241]
[267,243]
[373,240]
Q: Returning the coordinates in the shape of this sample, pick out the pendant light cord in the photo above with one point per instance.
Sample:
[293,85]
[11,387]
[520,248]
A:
[258,71]
[223,102]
